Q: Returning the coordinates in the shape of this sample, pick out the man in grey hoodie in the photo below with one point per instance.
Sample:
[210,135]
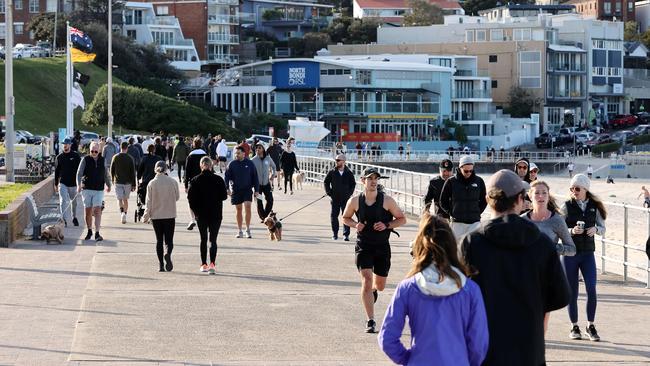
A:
[265,170]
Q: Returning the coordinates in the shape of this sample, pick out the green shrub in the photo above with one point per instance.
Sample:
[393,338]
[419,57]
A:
[606,148]
[143,110]
[642,139]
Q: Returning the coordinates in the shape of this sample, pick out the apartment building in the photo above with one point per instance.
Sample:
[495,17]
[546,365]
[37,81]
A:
[621,10]
[512,10]
[23,12]
[393,11]
[285,19]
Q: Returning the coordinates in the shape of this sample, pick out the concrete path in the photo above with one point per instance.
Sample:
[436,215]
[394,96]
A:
[290,303]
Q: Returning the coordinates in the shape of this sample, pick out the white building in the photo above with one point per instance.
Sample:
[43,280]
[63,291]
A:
[393,11]
[141,24]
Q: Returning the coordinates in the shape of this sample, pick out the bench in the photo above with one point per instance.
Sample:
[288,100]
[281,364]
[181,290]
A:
[47,214]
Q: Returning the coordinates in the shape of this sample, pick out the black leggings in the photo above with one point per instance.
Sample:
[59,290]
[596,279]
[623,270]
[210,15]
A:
[288,177]
[205,226]
[181,166]
[164,229]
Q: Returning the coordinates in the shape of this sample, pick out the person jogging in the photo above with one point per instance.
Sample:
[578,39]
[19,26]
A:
[123,176]
[289,164]
[339,186]
[92,176]
[65,182]
[377,216]
[243,176]
[266,169]
[179,156]
[585,216]
[444,307]
[192,169]
[206,194]
[275,151]
[519,273]
[463,198]
[222,155]
[160,208]
[435,187]
[644,193]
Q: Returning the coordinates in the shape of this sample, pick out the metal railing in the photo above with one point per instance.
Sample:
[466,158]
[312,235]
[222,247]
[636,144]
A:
[223,19]
[472,94]
[223,38]
[620,248]
[437,155]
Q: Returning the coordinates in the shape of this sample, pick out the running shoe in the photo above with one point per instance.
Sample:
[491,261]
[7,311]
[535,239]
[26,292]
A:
[575,333]
[375,295]
[75,222]
[98,237]
[346,237]
[335,237]
[169,266]
[370,326]
[291,192]
[212,269]
[191,225]
[240,234]
[203,268]
[89,235]
[592,333]
[123,217]
[248,233]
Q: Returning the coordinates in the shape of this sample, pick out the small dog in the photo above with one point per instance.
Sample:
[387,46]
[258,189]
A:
[274,226]
[53,232]
[298,178]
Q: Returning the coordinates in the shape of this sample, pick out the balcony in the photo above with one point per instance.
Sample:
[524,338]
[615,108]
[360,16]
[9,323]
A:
[472,94]
[223,19]
[178,42]
[565,95]
[224,2]
[222,38]
[346,106]
[214,58]
[465,73]
[470,116]
[566,67]
[163,20]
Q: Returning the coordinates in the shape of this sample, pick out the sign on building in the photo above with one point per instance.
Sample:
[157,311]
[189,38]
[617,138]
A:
[296,75]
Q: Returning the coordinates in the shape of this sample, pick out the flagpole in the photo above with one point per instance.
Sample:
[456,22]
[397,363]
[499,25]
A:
[110,68]
[68,83]
[10,136]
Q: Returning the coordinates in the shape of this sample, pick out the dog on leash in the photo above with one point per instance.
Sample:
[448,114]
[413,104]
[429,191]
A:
[274,226]
[53,232]
[298,178]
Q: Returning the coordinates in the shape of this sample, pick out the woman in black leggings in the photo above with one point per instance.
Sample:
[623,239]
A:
[289,164]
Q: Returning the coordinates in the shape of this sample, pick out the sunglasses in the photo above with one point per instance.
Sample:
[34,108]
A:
[522,167]
[467,171]
[94,152]
[575,189]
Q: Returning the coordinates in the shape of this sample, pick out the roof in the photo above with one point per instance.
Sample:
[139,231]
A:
[561,48]
[403,4]
[358,64]
[630,47]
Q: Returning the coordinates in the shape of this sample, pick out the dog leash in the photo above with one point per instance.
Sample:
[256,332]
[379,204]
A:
[305,206]
[71,202]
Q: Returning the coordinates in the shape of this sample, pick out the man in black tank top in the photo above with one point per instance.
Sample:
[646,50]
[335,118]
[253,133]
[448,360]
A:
[377,215]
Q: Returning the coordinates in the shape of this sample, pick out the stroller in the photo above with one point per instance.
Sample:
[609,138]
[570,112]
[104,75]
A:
[141,197]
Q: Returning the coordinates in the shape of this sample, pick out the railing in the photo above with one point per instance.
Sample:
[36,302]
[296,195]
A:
[470,116]
[480,72]
[163,20]
[346,106]
[223,19]
[472,94]
[224,2]
[222,38]
[561,66]
[565,94]
[223,58]
[620,246]
[437,155]
[179,42]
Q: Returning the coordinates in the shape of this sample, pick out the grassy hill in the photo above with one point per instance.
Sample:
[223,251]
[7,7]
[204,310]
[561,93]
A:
[39,91]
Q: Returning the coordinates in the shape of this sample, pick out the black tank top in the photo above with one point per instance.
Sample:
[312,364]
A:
[369,215]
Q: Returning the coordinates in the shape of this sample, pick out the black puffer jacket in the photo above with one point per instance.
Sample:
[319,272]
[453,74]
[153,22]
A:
[340,187]
[433,195]
[463,199]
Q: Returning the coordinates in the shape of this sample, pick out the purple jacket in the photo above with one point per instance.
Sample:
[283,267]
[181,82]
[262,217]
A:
[448,325]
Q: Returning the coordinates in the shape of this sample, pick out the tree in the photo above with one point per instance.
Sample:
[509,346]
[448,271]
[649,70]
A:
[313,42]
[338,29]
[249,123]
[521,103]
[630,33]
[363,31]
[89,11]
[423,13]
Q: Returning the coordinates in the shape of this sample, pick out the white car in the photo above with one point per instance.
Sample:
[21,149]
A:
[584,136]
[28,51]
[88,137]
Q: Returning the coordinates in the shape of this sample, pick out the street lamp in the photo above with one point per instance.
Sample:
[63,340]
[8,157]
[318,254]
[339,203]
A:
[110,68]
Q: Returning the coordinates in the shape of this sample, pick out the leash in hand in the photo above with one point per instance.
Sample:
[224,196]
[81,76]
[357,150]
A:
[305,206]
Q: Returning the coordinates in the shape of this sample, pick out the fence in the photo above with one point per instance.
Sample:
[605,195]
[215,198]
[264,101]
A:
[620,246]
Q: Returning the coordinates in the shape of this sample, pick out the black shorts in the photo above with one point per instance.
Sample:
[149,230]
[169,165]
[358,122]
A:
[373,256]
[239,197]
[223,158]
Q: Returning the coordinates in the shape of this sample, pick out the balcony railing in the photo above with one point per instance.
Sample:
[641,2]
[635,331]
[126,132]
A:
[223,58]
[565,94]
[472,94]
[224,2]
[222,38]
[321,108]
[470,116]
[481,72]
[223,19]
[562,66]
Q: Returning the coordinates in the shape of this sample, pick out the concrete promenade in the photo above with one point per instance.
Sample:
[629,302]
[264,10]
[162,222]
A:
[290,303]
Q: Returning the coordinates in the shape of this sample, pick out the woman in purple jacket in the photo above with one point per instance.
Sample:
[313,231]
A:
[445,309]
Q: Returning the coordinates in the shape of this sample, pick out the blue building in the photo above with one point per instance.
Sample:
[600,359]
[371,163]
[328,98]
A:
[384,100]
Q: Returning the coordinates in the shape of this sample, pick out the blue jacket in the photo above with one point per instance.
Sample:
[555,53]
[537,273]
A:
[243,176]
[448,325]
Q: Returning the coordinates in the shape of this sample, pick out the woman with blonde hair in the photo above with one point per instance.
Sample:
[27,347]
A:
[444,307]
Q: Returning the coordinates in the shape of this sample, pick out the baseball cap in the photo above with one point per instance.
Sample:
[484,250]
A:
[465,160]
[340,157]
[533,166]
[508,182]
[446,164]
[67,141]
[370,171]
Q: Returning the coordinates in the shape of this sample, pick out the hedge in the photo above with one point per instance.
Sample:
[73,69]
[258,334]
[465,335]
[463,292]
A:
[143,110]
[606,148]
[640,140]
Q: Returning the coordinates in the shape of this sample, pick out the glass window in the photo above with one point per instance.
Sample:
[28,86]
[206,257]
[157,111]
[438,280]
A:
[630,6]
[131,33]
[521,34]
[34,6]
[331,72]
[137,16]
[481,35]
[364,77]
[339,71]
[323,72]
[607,7]
[496,35]
[495,84]
[2,7]
[493,58]
[18,28]
[162,10]
[469,36]
[618,6]
[530,69]
[18,4]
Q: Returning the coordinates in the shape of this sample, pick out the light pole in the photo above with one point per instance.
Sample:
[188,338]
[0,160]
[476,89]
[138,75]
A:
[110,68]
[10,136]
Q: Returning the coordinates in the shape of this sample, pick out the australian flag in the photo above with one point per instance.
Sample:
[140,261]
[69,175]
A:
[81,40]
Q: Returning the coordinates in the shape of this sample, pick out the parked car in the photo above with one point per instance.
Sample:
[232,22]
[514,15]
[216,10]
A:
[27,137]
[622,121]
[642,129]
[624,136]
[643,117]
[600,139]
[584,136]
[87,137]
[29,51]
[547,139]
[566,134]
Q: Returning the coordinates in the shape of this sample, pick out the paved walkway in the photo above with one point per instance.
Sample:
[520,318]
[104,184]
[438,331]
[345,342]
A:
[290,303]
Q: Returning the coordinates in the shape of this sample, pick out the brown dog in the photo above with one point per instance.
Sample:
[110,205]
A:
[274,226]
[53,232]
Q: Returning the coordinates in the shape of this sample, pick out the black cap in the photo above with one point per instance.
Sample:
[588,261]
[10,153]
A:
[370,171]
[446,164]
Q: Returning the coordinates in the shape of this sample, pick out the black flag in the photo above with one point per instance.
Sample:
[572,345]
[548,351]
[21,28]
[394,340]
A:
[81,78]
